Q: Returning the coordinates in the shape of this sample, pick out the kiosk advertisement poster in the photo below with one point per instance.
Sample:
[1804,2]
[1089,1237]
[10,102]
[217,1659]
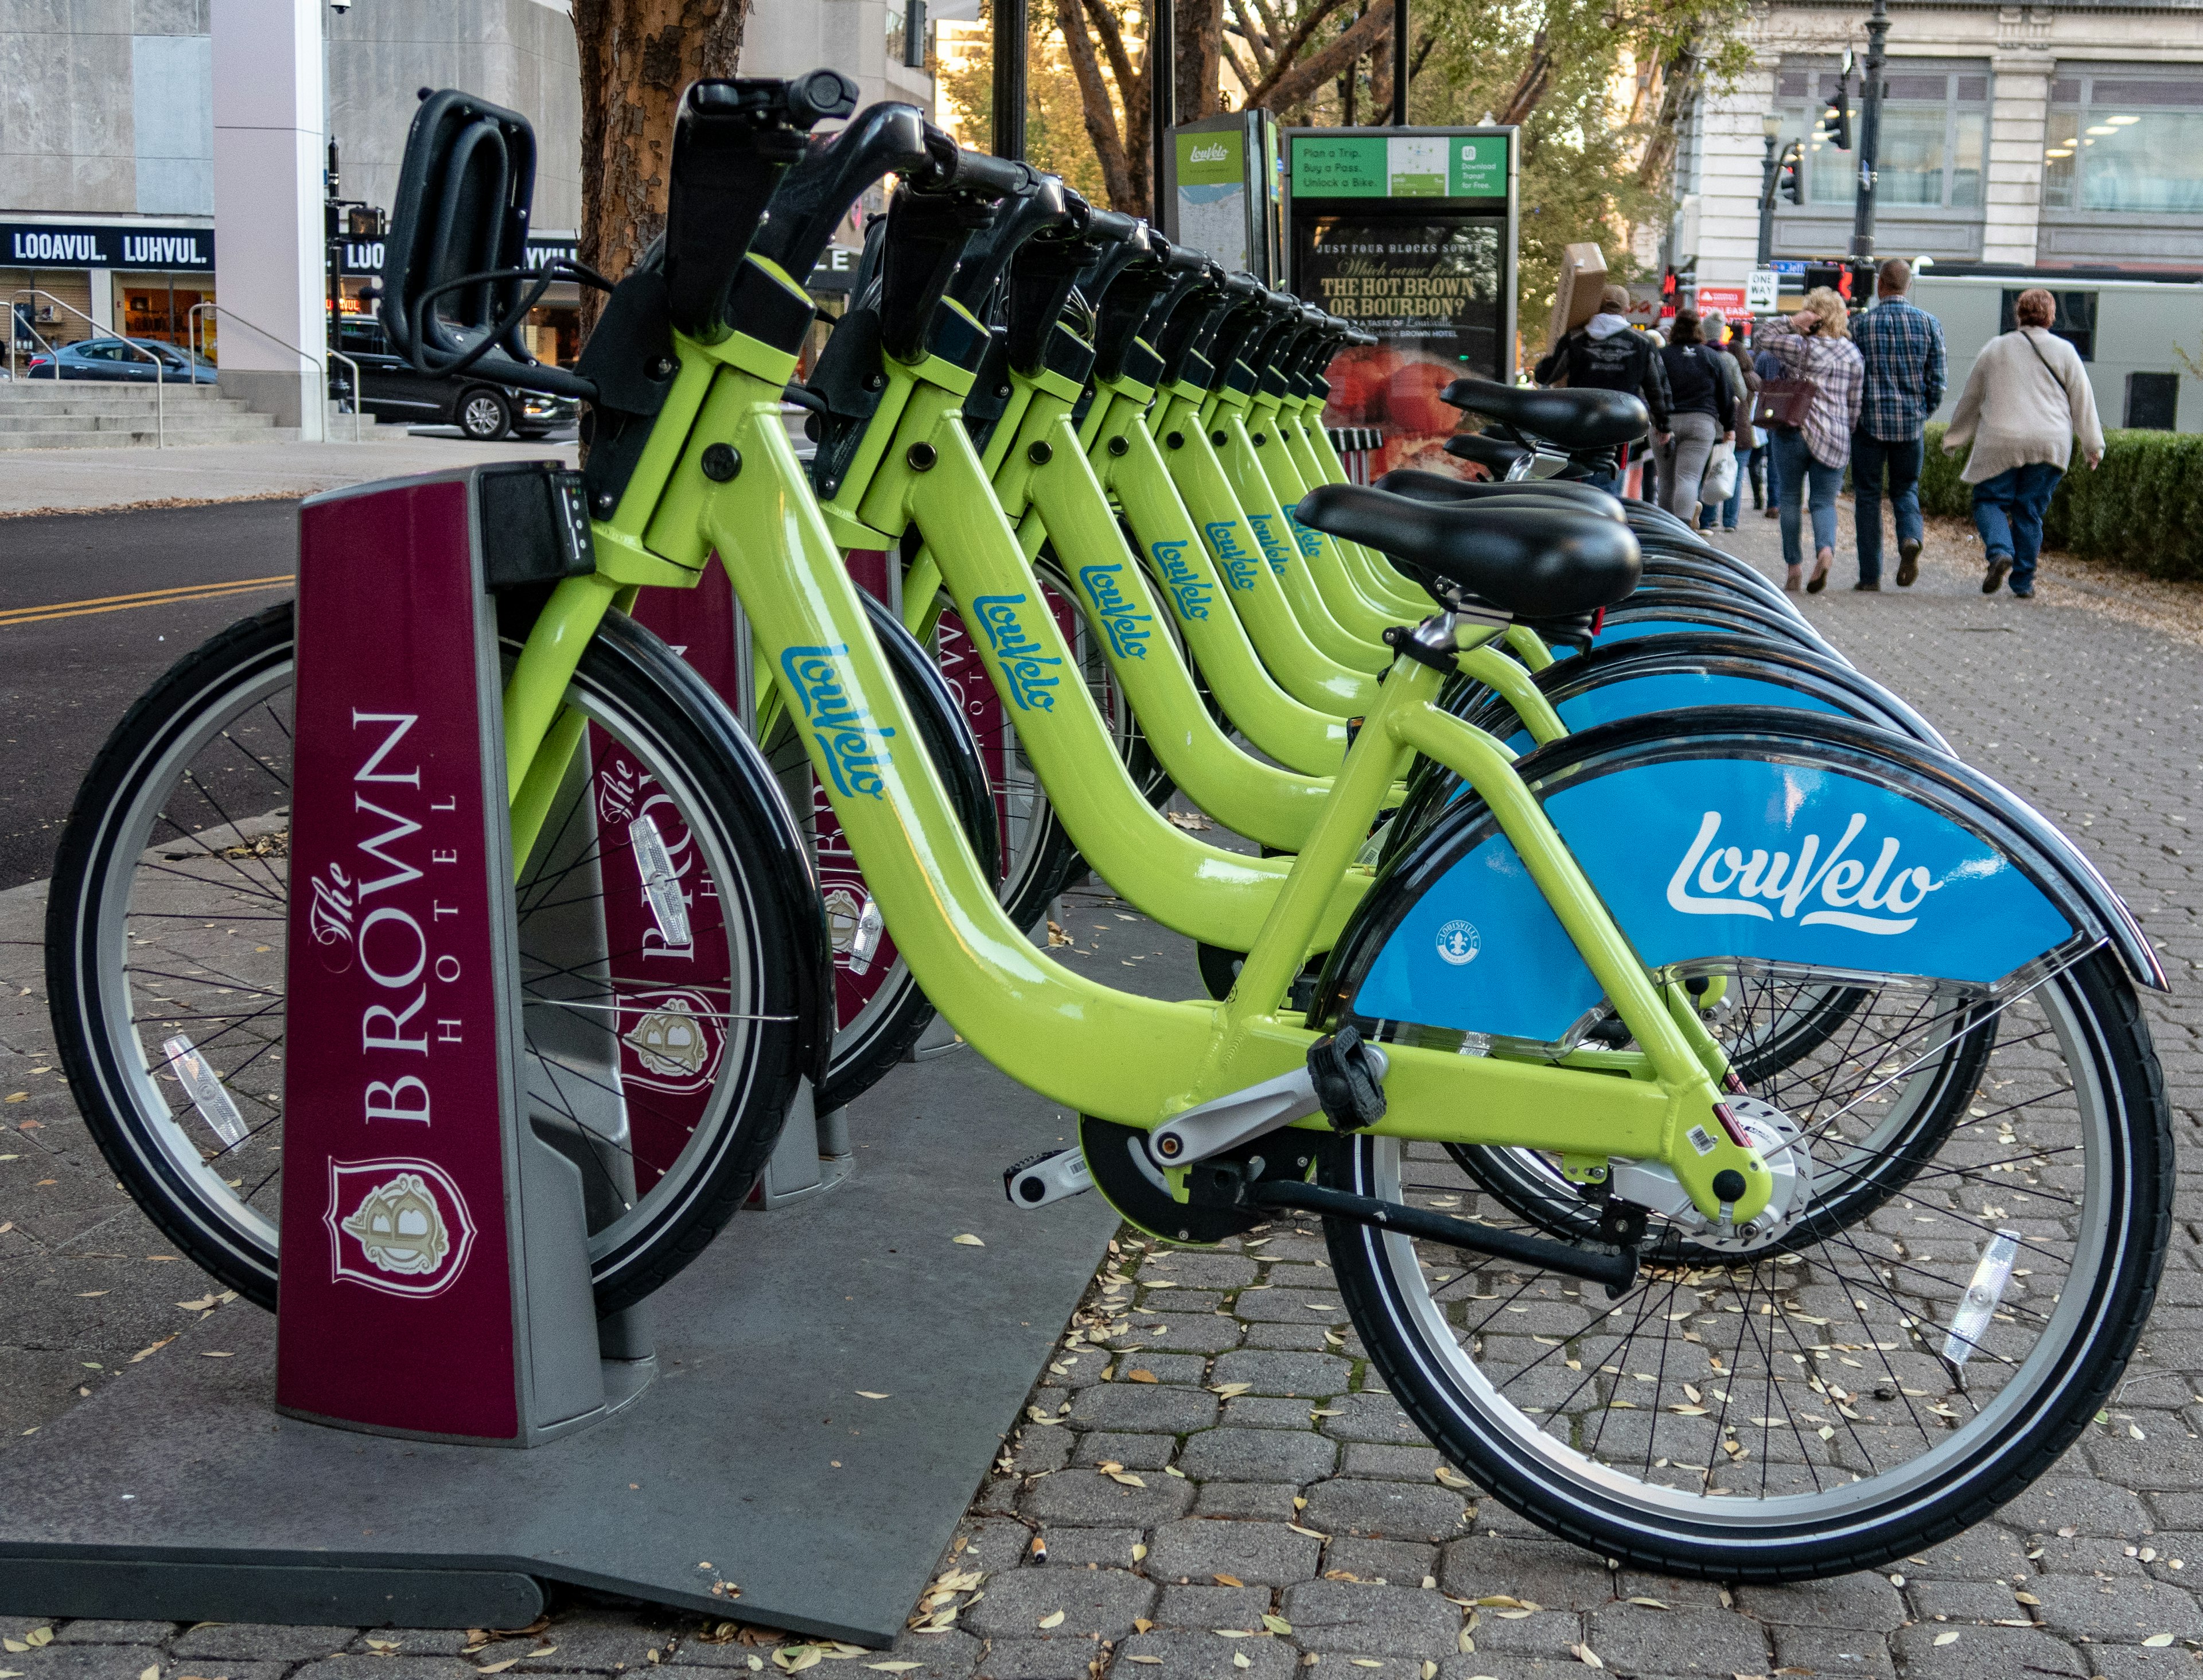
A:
[1410,235]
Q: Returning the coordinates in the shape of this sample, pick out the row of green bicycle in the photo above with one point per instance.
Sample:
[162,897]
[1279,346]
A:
[1731,1117]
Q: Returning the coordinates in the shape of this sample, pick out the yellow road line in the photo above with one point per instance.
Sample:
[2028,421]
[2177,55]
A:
[171,597]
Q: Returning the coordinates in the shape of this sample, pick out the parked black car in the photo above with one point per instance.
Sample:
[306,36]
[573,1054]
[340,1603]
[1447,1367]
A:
[392,391]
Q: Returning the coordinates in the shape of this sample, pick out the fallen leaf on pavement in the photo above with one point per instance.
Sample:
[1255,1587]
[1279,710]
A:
[1053,1619]
[968,1240]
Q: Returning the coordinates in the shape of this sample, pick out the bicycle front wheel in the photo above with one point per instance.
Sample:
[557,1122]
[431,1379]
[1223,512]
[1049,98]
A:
[1951,1309]
[165,954]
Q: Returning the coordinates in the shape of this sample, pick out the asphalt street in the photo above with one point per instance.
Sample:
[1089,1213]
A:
[93,606]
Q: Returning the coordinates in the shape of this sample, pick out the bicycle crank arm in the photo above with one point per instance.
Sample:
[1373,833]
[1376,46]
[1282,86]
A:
[1042,1179]
[1230,1184]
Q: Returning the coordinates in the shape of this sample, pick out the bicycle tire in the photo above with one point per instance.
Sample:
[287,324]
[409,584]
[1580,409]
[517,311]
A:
[645,701]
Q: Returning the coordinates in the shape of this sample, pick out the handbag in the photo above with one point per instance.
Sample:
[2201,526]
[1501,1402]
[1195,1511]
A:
[1719,482]
[1784,402]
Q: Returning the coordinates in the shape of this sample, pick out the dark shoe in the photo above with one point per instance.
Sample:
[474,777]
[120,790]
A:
[1872,589]
[1992,580]
[1819,580]
[1775,513]
[1908,562]
[2027,593]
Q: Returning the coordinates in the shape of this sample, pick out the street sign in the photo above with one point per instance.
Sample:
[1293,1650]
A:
[1729,299]
[1761,291]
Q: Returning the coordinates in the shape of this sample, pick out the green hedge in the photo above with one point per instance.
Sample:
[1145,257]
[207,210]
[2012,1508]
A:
[2142,508]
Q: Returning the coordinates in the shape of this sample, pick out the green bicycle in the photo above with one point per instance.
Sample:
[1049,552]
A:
[1842,1319]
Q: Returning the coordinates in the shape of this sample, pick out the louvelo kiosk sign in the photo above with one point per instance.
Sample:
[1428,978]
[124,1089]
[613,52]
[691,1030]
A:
[1410,233]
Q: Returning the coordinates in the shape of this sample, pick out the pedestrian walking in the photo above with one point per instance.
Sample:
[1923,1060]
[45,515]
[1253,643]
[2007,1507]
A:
[1766,367]
[1607,354]
[1701,413]
[2026,399]
[1731,344]
[1902,348]
[1819,391]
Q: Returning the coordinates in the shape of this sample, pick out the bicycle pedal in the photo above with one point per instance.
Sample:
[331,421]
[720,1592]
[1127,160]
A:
[1042,1179]
[1347,1077]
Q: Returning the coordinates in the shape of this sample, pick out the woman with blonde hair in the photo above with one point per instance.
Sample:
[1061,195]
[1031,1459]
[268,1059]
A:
[1815,449]
[2026,399]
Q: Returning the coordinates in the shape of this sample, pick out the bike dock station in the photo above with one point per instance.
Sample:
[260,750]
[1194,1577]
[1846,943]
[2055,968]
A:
[437,1423]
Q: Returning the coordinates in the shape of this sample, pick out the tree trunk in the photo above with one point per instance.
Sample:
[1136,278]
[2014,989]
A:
[637,56]
[1199,37]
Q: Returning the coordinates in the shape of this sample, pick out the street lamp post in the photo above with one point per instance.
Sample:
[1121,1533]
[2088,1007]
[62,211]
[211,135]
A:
[1770,127]
[1869,137]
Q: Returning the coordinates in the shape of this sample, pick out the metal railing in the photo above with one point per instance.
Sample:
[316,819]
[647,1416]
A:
[319,367]
[19,324]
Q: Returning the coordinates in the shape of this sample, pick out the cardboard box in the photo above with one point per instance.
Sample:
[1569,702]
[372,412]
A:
[1575,297]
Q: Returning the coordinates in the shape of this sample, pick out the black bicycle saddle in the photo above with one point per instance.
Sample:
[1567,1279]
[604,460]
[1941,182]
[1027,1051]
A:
[1551,493]
[1572,419]
[1531,562]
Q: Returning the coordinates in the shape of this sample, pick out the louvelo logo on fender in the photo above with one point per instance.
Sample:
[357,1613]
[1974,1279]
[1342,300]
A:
[400,1227]
[1311,545]
[1223,542]
[1273,551]
[1188,589]
[842,730]
[1025,663]
[1125,623]
[1844,891]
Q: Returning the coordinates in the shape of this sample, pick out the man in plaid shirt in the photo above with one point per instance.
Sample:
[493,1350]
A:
[1903,348]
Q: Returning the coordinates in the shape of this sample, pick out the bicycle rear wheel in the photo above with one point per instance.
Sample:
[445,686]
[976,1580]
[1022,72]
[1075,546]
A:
[165,947]
[1867,1381]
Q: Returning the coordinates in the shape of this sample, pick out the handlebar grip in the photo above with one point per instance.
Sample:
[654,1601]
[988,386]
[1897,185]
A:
[1111,227]
[819,95]
[990,177]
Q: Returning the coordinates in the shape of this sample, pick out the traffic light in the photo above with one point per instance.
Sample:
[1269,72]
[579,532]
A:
[1836,120]
[1792,180]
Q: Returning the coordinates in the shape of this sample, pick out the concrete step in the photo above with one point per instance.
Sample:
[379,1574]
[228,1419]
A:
[255,428]
[196,421]
[48,393]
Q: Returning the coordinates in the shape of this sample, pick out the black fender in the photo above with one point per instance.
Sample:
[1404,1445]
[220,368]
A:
[2062,878]
[1816,679]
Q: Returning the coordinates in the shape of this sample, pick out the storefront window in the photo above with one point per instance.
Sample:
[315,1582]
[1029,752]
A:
[2125,141]
[160,310]
[1935,133]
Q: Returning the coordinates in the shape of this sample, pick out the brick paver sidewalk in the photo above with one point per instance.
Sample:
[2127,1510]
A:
[1294,1520]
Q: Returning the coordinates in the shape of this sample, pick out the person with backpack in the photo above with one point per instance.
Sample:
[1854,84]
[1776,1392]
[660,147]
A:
[2026,399]
[1607,354]
[1702,387]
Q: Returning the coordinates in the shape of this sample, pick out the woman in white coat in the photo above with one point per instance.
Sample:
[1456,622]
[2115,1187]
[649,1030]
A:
[2026,400]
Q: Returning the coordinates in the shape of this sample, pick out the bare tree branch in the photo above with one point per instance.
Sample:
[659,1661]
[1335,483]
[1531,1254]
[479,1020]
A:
[1281,61]
[1290,82]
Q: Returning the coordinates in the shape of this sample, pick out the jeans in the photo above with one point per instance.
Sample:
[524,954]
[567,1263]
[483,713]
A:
[1871,457]
[1795,468]
[1683,462]
[2008,511]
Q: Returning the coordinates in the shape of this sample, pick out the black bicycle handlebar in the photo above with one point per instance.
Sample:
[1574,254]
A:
[817,193]
[731,143]
[1042,208]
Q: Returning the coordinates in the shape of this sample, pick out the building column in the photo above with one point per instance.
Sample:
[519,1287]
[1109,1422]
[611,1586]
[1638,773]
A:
[1728,177]
[2018,123]
[103,297]
[267,200]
